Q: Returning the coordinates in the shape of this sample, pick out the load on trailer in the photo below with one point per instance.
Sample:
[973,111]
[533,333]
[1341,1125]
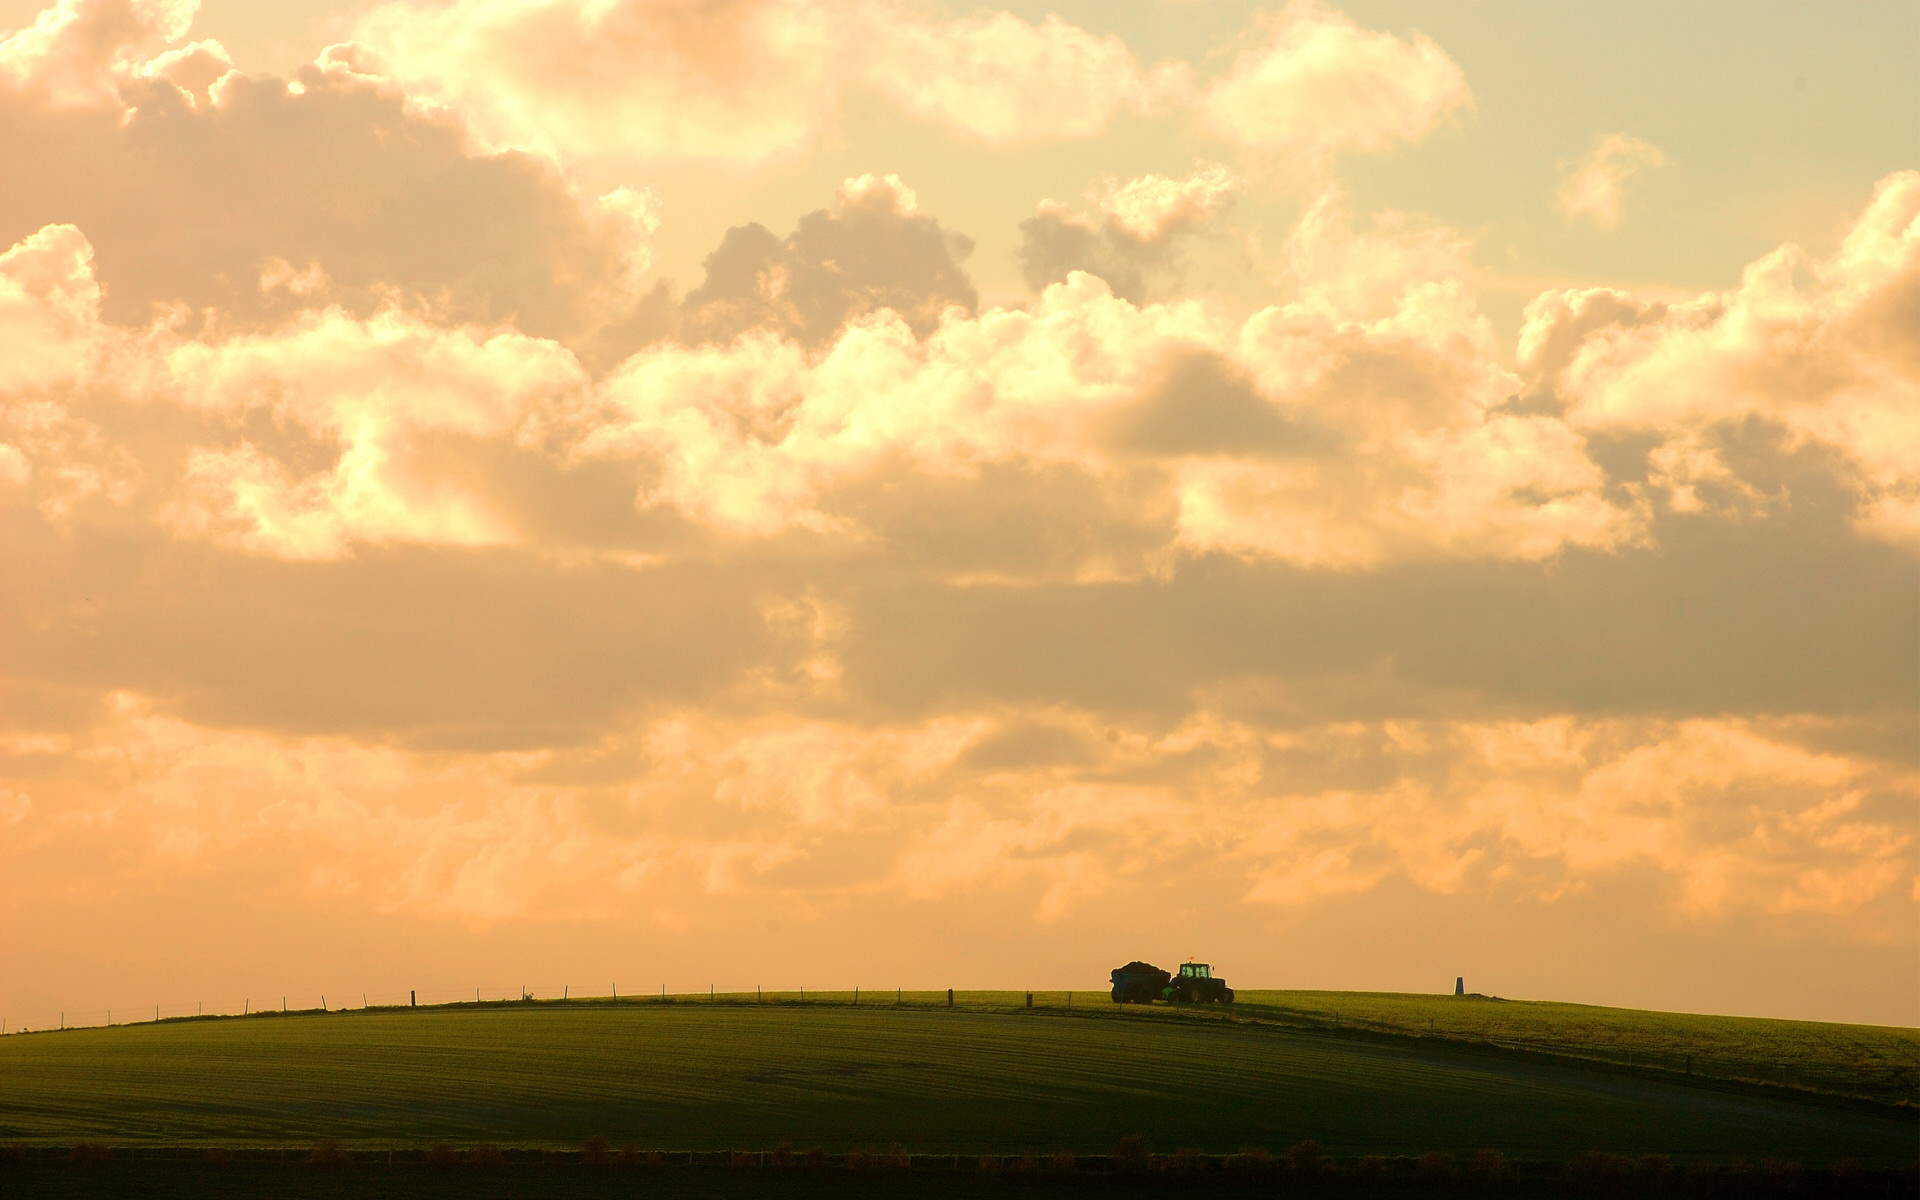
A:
[1143,983]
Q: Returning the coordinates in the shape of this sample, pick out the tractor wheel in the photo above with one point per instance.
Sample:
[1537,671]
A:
[1226,995]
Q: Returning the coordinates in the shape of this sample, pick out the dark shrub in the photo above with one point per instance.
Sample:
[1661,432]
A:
[1652,1170]
[1370,1168]
[858,1161]
[1783,1169]
[1185,1161]
[329,1155]
[593,1152]
[1596,1168]
[1131,1152]
[216,1156]
[442,1155]
[1436,1166]
[783,1155]
[88,1152]
[1063,1161]
[484,1155]
[1489,1165]
[1252,1160]
[989,1164]
[1304,1158]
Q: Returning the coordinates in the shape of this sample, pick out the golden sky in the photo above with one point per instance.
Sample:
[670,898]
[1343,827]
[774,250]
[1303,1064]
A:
[574,492]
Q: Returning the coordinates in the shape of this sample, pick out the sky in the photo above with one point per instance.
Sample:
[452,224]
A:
[664,493]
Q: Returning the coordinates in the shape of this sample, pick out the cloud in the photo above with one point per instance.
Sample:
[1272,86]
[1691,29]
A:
[1131,240]
[1595,187]
[1364,421]
[997,78]
[1316,83]
[79,52]
[742,81]
[1729,815]
[873,250]
[611,87]
[1147,209]
[1826,364]
[201,190]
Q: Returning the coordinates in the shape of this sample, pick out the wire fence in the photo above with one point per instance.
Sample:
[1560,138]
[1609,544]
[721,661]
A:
[327,1002]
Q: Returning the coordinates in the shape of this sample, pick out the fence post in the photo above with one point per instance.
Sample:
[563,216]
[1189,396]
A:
[1029,999]
[413,998]
[949,997]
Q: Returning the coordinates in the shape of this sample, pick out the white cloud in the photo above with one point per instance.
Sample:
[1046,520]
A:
[1362,422]
[1829,363]
[1150,207]
[998,78]
[1317,83]
[1596,186]
[78,52]
[615,82]
[631,80]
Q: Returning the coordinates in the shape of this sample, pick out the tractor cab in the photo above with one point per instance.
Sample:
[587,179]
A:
[1194,970]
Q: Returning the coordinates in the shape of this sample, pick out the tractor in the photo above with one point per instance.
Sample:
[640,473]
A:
[1143,983]
[1195,984]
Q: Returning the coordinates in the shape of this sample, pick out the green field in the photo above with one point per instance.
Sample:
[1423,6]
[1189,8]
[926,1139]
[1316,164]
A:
[1867,1061]
[987,1077]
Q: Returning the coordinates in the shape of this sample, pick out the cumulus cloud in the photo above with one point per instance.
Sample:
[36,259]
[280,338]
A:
[1131,239]
[78,52]
[606,85]
[758,438]
[873,250]
[1364,421]
[645,79]
[742,83]
[1827,364]
[1315,83]
[998,78]
[1595,187]
[201,188]
[1152,206]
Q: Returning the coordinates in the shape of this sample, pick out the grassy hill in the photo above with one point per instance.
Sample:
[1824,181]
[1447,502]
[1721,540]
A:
[987,1077]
